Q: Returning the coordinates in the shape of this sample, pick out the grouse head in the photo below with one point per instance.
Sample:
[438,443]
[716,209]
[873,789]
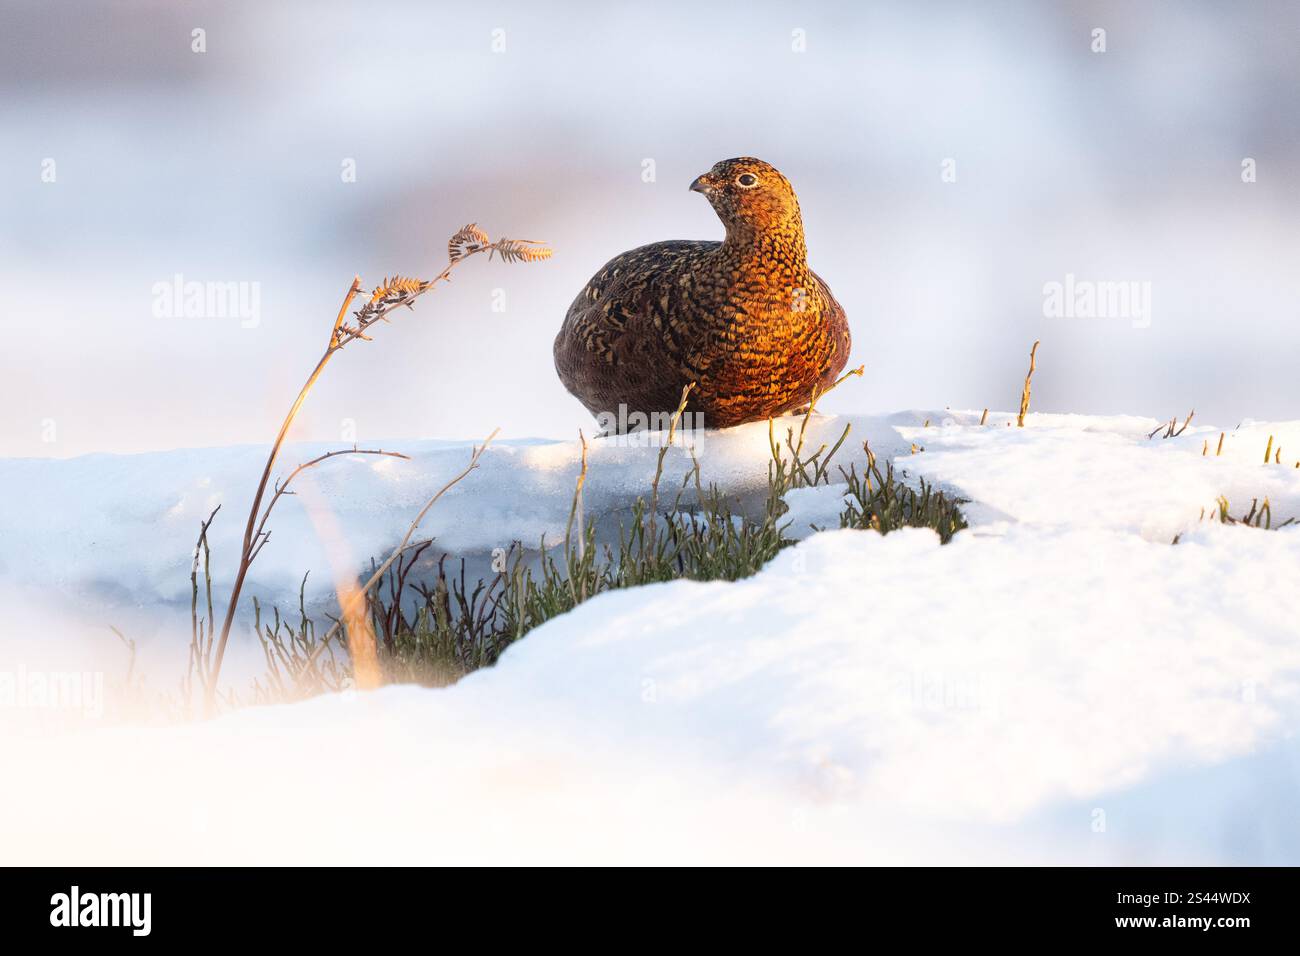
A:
[751,198]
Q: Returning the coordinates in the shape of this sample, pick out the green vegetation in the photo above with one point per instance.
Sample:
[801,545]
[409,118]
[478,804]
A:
[433,632]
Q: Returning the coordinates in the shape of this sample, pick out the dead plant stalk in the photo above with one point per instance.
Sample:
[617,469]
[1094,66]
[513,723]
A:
[1024,394]
[395,292]
[353,604]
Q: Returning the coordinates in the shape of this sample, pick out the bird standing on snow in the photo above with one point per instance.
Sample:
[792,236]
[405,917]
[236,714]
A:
[745,319]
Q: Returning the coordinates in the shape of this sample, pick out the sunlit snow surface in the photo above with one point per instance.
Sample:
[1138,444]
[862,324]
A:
[1058,684]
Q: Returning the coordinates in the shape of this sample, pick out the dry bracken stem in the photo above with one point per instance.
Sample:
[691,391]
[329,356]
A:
[1024,395]
[338,321]
[261,536]
[247,552]
[393,293]
[356,601]
[576,515]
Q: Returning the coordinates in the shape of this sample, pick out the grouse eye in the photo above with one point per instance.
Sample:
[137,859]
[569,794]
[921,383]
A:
[746,180]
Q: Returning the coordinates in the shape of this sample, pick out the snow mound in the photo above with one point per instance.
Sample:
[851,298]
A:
[1057,684]
[123,527]
[1075,471]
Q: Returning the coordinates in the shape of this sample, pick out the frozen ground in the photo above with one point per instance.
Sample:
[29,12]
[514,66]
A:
[1059,684]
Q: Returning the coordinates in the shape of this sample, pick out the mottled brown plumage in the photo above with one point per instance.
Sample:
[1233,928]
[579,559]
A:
[745,318]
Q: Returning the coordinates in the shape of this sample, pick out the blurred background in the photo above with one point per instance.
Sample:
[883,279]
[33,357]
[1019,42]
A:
[950,158]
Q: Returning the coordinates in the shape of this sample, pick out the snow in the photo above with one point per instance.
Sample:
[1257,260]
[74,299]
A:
[124,526]
[1073,470]
[1057,684]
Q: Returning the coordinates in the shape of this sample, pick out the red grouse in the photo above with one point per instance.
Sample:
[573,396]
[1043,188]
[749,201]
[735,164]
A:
[745,319]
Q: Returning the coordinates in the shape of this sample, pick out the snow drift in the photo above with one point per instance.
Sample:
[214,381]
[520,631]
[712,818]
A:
[1058,684]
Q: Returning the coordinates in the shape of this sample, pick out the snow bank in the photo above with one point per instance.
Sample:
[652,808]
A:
[122,528]
[1058,684]
[1073,470]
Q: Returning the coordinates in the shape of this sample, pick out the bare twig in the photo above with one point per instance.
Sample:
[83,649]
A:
[663,452]
[395,292]
[798,464]
[201,632]
[1024,394]
[1172,430]
[576,515]
[130,650]
[356,601]
[261,536]
[817,394]
[248,551]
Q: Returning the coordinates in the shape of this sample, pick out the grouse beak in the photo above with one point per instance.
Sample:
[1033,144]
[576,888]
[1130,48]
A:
[701,184]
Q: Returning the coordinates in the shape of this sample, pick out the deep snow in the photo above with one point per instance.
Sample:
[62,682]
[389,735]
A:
[1058,684]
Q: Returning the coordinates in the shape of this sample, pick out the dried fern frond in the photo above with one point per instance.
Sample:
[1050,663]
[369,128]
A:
[392,293]
[469,239]
[402,290]
[520,250]
[388,295]
[396,286]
